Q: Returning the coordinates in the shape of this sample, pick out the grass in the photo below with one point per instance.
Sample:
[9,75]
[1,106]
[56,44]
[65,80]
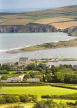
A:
[16,74]
[63,101]
[17,22]
[67,59]
[52,20]
[30,105]
[26,105]
[37,90]
[74,33]
[64,25]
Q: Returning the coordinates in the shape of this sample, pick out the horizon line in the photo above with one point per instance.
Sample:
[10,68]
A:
[23,10]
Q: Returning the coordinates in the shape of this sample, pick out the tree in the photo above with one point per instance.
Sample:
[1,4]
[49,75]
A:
[4,77]
[49,78]
[53,69]
[59,77]
[31,67]
[1,84]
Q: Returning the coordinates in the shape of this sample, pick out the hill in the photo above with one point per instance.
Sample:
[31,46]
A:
[60,18]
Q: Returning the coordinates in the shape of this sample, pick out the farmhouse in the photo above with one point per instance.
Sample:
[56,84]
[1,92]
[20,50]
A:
[15,79]
[33,80]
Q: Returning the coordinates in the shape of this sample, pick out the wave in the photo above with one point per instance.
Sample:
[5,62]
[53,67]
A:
[10,49]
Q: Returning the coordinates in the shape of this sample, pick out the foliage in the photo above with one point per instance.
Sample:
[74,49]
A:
[2,100]
[49,104]
[4,77]
[11,98]
[16,106]
[24,98]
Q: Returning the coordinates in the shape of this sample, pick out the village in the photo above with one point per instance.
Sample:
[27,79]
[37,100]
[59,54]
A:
[23,63]
[18,74]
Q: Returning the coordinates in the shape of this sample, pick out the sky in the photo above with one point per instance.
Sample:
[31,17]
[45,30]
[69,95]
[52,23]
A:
[29,4]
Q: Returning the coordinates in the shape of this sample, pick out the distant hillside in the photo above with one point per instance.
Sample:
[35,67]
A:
[60,18]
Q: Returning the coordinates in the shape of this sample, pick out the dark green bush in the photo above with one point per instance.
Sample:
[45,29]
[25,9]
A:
[2,100]
[24,98]
[69,96]
[11,98]
[76,102]
[49,104]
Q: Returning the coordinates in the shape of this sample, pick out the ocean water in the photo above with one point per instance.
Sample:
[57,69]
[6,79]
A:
[10,41]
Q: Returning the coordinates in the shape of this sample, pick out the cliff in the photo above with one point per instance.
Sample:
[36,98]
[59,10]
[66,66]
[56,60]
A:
[34,27]
[31,27]
[72,31]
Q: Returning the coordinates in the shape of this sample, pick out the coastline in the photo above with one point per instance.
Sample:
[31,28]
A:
[52,45]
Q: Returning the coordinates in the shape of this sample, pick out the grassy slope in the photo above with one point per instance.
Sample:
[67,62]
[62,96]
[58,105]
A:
[53,17]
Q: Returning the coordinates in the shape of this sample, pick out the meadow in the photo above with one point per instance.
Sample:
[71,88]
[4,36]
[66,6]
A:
[52,20]
[45,90]
[37,90]
[64,25]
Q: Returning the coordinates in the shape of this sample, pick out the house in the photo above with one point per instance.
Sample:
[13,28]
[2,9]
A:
[33,80]
[75,66]
[14,79]
[23,61]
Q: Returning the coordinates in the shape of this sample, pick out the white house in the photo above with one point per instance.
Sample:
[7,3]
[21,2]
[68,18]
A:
[33,80]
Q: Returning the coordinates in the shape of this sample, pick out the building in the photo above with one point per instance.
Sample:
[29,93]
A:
[33,80]
[14,79]
[23,61]
[75,66]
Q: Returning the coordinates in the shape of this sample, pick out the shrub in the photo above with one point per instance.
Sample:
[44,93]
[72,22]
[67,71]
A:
[49,104]
[69,96]
[76,102]
[2,100]
[11,98]
[15,106]
[34,98]
[24,98]
[4,77]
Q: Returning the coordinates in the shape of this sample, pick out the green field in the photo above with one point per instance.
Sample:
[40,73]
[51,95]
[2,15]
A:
[37,90]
